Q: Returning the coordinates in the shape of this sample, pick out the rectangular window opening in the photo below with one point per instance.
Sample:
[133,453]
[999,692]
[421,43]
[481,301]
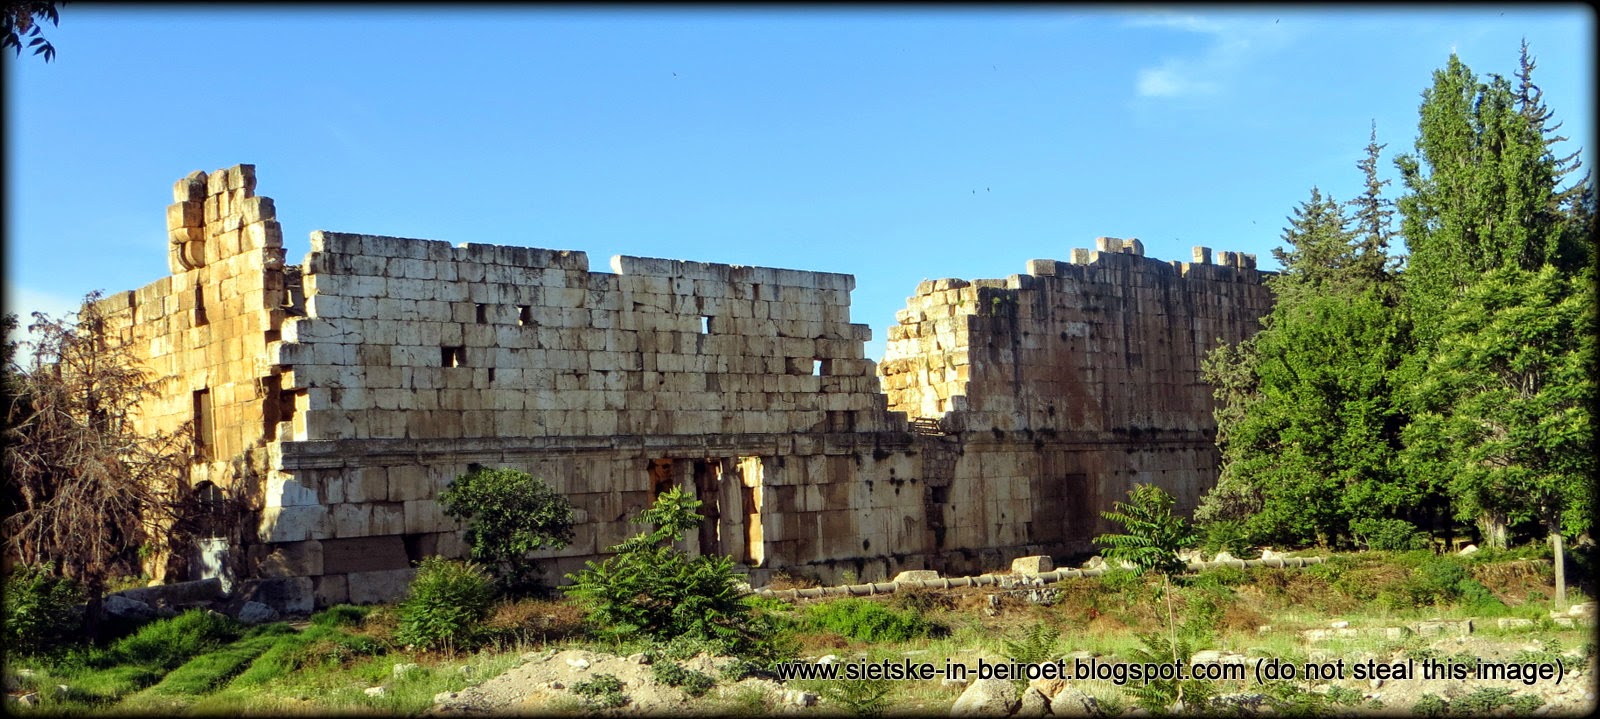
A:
[705,324]
[491,374]
[452,356]
[524,315]
[482,312]
[817,367]
[199,306]
[204,430]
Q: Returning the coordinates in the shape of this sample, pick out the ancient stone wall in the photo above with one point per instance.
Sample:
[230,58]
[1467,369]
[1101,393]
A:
[383,368]
[204,329]
[1095,361]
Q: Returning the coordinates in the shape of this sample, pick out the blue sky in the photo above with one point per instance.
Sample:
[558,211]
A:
[895,143]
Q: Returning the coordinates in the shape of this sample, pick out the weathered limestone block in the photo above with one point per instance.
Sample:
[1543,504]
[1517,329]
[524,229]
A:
[363,554]
[330,590]
[294,523]
[286,490]
[289,559]
[408,483]
[380,586]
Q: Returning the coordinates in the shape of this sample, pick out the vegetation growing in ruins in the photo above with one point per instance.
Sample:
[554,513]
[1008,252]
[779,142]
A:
[651,589]
[445,605]
[1377,400]
[509,513]
[87,495]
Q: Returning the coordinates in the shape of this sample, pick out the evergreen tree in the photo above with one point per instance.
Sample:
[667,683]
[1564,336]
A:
[1304,420]
[1496,288]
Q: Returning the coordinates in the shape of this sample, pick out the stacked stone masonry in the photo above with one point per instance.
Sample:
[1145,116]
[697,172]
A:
[342,395]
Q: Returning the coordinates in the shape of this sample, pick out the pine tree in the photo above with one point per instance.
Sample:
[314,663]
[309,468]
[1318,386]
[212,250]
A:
[1305,424]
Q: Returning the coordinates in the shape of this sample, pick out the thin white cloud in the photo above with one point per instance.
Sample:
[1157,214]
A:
[1235,44]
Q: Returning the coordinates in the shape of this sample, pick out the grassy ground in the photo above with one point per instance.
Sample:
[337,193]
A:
[205,664]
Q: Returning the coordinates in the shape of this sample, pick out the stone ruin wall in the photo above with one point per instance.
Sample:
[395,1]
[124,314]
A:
[417,360]
[345,393]
[203,331]
[1072,382]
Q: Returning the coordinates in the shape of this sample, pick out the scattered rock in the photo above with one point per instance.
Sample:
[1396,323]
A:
[443,697]
[579,663]
[1469,549]
[375,691]
[1033,704]
[797,698]
[1071,701]
[31,699]
[1564,622]
[122,607]
[639,658]
[1095,562]
[1048,687]
[1586,609]
[987,697]
[556,685]
[1223,556]
[916,575]
[1375,682]
[1341,624]
[1038,564]
[400,670]
[257,613]
[1515,624]
[1267,553]
[829,659]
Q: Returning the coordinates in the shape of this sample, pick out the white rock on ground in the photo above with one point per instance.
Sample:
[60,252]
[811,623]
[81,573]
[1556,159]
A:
[987,697]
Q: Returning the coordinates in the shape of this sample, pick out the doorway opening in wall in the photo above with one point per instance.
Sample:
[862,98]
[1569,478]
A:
[707,487]
[659,472]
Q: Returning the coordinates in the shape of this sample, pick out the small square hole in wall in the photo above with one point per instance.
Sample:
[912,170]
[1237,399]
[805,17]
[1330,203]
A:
[705,324]
[491,374]
[452,356]
[524,315]
[816,367]
[482,312]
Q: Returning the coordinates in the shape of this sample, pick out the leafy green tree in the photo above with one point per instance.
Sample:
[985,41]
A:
[1511,381]
[509,514]
[651,588]
[1487,219]
[1306,428]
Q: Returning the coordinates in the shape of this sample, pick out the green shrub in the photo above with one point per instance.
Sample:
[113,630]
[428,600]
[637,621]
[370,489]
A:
[690,681]
[1226,535]
[1389,535]
[41,610]
[652,589]
[868,621]
[446,605]
[1430,705]
[509,513]
[1039,644]
[861,697]
[604,691]
[344,615]
[1153,533]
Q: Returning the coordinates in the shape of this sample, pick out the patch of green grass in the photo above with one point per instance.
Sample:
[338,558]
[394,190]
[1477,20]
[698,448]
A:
[868,621]
[207,671]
